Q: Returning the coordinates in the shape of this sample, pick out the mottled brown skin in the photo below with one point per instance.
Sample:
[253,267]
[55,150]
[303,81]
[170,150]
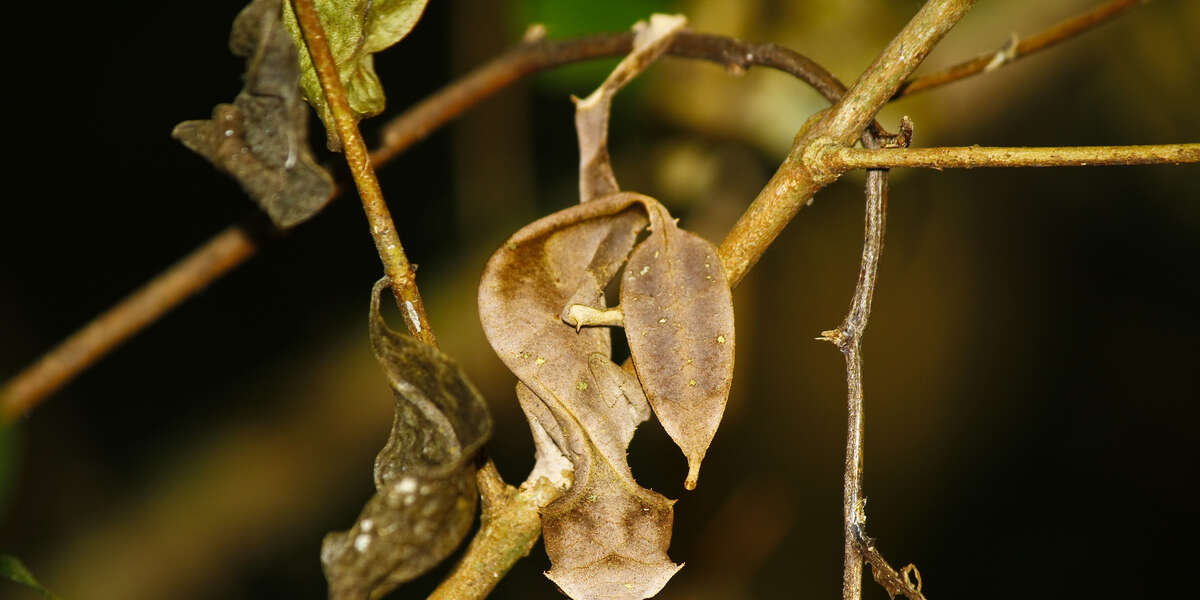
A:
[261,140]
[424,476]
[608,536]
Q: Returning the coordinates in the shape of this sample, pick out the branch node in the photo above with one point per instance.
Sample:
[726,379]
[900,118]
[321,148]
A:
[1004,55]
[816,158]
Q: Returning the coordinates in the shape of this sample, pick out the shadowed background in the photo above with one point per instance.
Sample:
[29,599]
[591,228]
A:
[1030,365]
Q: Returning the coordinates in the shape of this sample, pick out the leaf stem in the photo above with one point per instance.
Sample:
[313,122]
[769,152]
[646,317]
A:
[383,230]
[1023,47]
[841,158]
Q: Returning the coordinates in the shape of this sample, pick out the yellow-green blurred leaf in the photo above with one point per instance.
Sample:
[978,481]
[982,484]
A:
[355,30]
[12,569]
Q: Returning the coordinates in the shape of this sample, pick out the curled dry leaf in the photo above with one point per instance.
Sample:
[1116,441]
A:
[650,40]
[424,476]
[608,536]
[262,138]
[678,315]
[355,30]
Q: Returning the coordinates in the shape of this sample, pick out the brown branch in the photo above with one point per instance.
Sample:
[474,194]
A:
[383,230]
[71,356]
[1022,48]
[509,528]
[841,158]
[799,177]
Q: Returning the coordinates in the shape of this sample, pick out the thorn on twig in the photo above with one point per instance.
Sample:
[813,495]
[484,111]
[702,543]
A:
[1004,55]
[833,336]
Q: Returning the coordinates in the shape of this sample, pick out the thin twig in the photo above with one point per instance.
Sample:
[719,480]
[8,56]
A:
[71,356]
[848,338]
[383,230]
[1022,48]
[841,158]
[905,582]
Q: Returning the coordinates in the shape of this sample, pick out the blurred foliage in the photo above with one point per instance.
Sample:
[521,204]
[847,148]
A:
[9,462]
[12,569]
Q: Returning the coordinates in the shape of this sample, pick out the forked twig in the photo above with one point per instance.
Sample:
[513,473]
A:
[848,338]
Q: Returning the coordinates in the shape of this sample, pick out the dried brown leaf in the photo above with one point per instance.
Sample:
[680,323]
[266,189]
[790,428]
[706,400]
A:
[678,315]
[424,476]
[650,40]
[261,140]
[608,536]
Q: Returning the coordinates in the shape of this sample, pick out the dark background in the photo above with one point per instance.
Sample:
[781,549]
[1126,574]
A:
[1030,365]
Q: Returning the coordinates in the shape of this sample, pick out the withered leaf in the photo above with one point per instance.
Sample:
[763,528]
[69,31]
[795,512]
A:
[262,138]
[678,315]
[355,30]
[596,176]
[424,476]
[608,536]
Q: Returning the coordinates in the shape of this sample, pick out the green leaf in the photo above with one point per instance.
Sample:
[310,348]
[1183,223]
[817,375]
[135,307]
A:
[424,476]
[262,138]
[355,30]
[12,569]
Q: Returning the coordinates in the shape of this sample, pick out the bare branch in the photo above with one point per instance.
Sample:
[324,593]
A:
[1020,48]
[61,364]
[841,158]
[509,528]
[383,230]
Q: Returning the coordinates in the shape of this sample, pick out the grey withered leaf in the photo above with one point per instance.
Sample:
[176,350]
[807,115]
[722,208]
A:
[262,138]
[678,315]
[607,537]
[596,176]
[424,476]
